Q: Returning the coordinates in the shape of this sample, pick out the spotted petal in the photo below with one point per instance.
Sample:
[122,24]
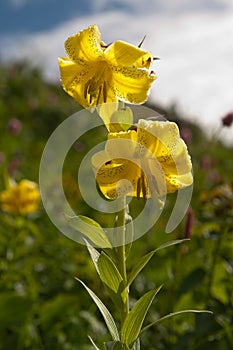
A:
[74,78]
[124,54]
[131,85]
[85,45]
[117,177]
[158,137]
[155,162]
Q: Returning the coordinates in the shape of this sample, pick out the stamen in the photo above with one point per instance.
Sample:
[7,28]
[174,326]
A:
[105,91]
[144,191]
[86,88]
[99,94]
[139,186]
[90,100]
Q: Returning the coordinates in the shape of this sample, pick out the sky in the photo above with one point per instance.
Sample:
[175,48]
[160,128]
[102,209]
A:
[193,39]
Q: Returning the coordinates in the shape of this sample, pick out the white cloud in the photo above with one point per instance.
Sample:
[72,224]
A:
[196,54]
[164,6]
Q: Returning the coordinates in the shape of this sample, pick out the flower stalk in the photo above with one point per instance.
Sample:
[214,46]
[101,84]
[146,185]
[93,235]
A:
[121,259]
[146,160]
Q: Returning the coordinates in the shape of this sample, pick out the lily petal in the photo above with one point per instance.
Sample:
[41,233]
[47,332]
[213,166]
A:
[124,54]
[154,163]
[121,144]
[130,84]
[85,45]
[179,163]
[176,182]
[74,78]
[118,178]
[159,137]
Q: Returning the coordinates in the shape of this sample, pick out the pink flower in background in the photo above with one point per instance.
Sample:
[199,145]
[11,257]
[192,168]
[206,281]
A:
[189,223]
[227,120]
[15,126]
[186,134]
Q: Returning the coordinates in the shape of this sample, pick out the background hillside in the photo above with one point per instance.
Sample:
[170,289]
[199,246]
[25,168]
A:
[41,304]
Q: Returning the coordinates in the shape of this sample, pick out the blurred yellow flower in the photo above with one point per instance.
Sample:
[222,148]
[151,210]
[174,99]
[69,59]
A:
[95,73]
[22,198]
[150,161]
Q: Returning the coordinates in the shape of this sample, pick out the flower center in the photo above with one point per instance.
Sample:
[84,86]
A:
[95,90]
[142,187]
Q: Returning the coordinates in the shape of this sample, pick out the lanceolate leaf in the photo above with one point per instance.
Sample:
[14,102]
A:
[134,320]
[94,254]
[92,342]
[175,314]
[146,258]
[105,313]
[90,229]
[115,345]
[109,273]
[137,345]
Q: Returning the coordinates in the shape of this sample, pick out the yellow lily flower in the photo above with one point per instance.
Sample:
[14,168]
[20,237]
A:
[22,198]
[95,73]
[150,161]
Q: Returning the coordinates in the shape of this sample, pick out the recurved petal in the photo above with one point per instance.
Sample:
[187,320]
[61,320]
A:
[131,85]
[176,182]
[159,137]
[178,169]
[144,61]
[166,178]
[116,177]
[178,162]
[74,78]
[121,144]
[85,45]
[124,54]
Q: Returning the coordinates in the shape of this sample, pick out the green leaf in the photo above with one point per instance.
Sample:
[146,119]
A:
[90,229]
[175,314]
[93,343]
[104,311]
[115,292]
[137,345]
[109,273]
[94,254]
[146,258]
[115,345]
[134,320]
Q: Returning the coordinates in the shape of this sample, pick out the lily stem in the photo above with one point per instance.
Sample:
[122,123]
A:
[121,259]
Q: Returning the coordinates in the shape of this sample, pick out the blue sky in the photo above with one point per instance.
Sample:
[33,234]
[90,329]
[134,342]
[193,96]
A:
[192,38]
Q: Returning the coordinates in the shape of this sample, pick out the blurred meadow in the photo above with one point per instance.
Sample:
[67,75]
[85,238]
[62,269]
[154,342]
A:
[42,306]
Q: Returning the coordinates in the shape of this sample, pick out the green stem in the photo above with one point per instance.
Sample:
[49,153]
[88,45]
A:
[121,259]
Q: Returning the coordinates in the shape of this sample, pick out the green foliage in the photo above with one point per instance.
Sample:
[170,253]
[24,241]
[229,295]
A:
[41,304]
[105,313]
[90,229]
[143,261]
[109,272]
[134,320]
